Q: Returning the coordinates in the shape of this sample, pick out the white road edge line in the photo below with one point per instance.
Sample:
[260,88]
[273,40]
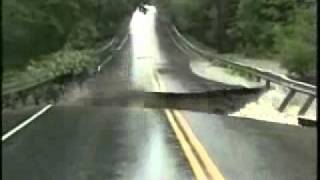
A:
[26,122]
[43,110]
[103,63]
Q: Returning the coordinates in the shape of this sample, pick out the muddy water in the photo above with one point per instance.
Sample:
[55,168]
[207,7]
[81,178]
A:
[266,106]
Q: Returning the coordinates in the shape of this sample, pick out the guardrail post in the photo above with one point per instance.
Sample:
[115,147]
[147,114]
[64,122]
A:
[304,121]
[287,100]
[23,96]
[258,78]
[8,101]
[14,101]
[267,76]
[36,97]
[306,105]
[268,84]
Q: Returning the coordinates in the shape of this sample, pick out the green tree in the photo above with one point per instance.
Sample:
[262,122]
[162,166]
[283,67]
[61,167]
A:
[37,27]
[254,22]
[296,43]
[207,20]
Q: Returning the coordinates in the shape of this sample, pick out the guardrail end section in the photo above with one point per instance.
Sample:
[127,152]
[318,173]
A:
[308,122]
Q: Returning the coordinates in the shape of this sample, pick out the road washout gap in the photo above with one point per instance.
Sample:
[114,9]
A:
[217,102]
[265,107]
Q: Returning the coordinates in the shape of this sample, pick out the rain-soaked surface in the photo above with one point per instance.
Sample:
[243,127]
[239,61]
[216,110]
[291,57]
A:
[247,149]
[265,107]
[113,126]
[95,143]
[72,141]
[144,49]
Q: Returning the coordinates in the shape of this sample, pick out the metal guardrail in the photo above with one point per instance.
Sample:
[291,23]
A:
[107,46]
[18,88]
[294,86]
[25,85]
[268,75]
[29,82]
[13,87]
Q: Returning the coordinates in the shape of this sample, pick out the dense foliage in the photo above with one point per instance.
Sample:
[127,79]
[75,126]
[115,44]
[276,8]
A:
[255,21]
[276,29]
[295,44]
[207,20]
[279,29]
[37,27]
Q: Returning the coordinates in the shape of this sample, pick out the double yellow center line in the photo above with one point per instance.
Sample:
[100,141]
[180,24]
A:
[198,158]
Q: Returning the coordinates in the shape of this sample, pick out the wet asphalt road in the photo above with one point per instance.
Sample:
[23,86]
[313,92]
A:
[182,79]
[93,137]
[249,149]
[95,143]
[78,141]
[12,118]
[241,148]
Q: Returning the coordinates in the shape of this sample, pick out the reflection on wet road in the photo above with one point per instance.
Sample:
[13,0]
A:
[116,128]
[144,49]
[72,141]
[95,143]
